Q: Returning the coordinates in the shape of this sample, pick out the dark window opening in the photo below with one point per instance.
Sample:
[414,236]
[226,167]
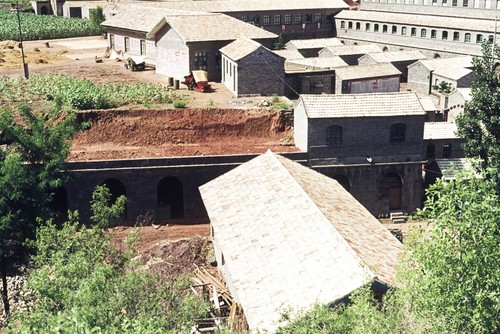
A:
[447,151]
[431,151]
[170,194]
[398,132]
[334,135]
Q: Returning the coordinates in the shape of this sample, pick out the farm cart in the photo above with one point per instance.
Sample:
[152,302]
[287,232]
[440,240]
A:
[197,80]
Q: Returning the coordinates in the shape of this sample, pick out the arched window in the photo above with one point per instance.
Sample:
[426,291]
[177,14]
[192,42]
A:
[467,37]
[358,26]
[423,33]
[367,27]
[398,133]
[375,27]
[349,25]
[414,31]
[169,194]
[444,35]
[342,24]
[479,38]
[44,10]
[433,33]
[456,36]
[394,29]
[117,189]
[334,135]
[403,30]
[384,28]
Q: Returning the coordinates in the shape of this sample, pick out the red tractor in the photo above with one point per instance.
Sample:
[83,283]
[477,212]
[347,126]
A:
[197,80]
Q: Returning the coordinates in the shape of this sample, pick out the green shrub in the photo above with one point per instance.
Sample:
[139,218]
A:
[179,103]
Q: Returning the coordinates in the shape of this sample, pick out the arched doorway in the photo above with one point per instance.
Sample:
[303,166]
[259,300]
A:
[59,204]
[344,181]
[169,194]
[116,188]
[390,187]
[44,10]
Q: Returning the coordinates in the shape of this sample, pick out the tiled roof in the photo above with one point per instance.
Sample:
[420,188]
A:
[450,167]
[453,68]
[225,6]
[344,50]
[240,48]
[136,18]
[361,105]
[89,3]
[292,237]
[423,20]
[315,63]
[440,130]
[428,104]
[367,71]
[214,27]
[314,43]
[289,54]
[387,57]
[453,73]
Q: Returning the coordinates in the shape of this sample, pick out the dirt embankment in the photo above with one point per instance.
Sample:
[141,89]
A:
[123,134]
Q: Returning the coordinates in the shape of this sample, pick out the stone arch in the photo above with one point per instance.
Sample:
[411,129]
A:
[170,194]
[116,188]
[343,180]
[436,56]
[390,188]
[44,10]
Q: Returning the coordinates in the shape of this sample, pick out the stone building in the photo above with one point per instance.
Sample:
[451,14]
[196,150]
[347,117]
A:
[311,47]
[426,73]
[453,103]
[400,59]
[437,28]
[248,68]
[371,143]
[177,42]
[286,237]
[377,78]
[349,53]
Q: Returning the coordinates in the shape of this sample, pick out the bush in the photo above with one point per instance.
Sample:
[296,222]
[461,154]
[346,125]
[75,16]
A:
[179,103]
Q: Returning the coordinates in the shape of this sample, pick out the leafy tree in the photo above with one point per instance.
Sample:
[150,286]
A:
[280,43]
[97,17]
[30,169]
[479,125]
[84,284]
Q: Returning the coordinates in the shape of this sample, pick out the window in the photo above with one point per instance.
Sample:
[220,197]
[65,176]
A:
[375,27]
[297,18]
[434,2]
[433,33]
[318,17]
[256,20]
[447,151]
[456,36]
[276,19]
[444,35]
[309,18]
[358,26]
[127,44]
[367,27]
[143,47]
[398,132]
[342,24]
[414,31]
[384,28]
[490,38]
[218,60]
[349,25]
[479,38]
[431,151]
[454,3]
[244,18]
[467,37]
[200,61]
[445,2]
[288,20]
[333,135]
[111,41]
[423,33]
[266,20]
[394,29]
[403,30]
[466,3]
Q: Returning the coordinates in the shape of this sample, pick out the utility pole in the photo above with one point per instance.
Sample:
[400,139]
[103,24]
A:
[25,66]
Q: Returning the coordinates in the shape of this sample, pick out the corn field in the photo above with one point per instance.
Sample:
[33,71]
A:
[35,27]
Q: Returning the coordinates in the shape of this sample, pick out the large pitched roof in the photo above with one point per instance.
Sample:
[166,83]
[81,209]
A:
[226,6]
[136,18]
[423,20]
[367,71]
[241,47]
[314,64]
[453,68]
[387,57]
[292,237]
[361,105]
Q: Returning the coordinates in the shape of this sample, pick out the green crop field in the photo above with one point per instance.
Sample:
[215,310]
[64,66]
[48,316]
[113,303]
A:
[35,27]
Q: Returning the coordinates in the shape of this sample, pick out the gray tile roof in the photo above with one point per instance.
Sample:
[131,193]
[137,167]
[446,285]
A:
[225,6]
[344,50]
[450,167]
[423,20]
[136,18]
[240,48]
[428,104]
[314,43]
[440,130]
[361,105]
[315,63]
[289,54]
[453,68]
[292,237]
[367,71]
[387,57]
